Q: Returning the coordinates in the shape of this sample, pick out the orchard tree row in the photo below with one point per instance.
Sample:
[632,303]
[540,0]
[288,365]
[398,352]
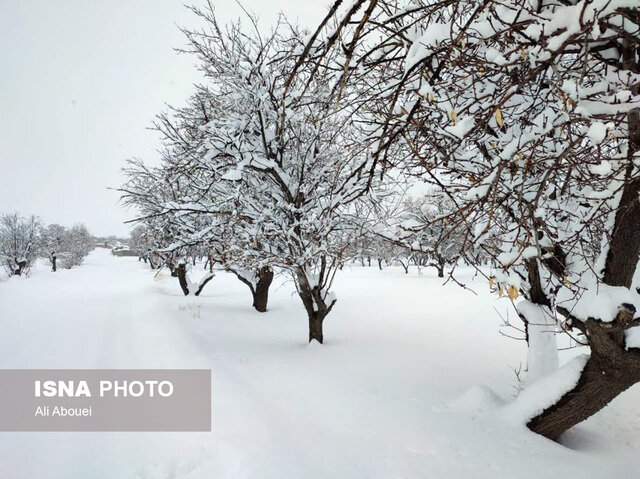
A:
[24,239]
[262,171]
[521,117]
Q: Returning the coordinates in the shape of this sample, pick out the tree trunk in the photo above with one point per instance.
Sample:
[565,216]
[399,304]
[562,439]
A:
[316,320]
[181,272]
[315,305]
[184,281]
[536,293]
[54,260]
[151,262]
[610,370]
[380,264]
[174,271]
[261,293]
[20,266]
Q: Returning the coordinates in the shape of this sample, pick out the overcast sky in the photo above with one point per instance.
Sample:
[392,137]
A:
[80,83]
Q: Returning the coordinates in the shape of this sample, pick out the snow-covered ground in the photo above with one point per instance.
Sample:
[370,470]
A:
[390,395]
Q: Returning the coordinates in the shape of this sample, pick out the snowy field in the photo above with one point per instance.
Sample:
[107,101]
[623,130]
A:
[390,395]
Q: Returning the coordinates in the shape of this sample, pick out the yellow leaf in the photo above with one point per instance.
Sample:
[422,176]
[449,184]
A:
[501,291]
[499,117]
[522,53]
[454,117]
[404,112]
[491,280]
[431,97]
[566,281]
[513,292]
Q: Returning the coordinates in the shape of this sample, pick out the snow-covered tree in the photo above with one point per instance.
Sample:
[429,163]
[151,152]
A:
[142,242]
[53,241]
[259,166]
[423,228]
[526,114]
[295,158]
[79,244]
[19,238]
[66,247]
[184,209]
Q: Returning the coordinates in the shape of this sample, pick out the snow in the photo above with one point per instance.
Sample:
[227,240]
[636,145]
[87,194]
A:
[542,356]
[597,132]
[390,394]
[600,301]
[433,35]
[460,129]
[544,392]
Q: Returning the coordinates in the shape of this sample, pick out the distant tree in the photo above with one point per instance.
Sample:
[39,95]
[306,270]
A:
[79,244]
[424,229]
[18,242]
[65,247]
[53,243]
[142,242]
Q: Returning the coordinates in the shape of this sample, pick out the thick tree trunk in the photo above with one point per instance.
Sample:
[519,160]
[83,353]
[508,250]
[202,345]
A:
[316,320]
[315,305]
[610,370]
[620,268]
[54,261]
[261,293]
[612,367]
[380,264]
[20,266]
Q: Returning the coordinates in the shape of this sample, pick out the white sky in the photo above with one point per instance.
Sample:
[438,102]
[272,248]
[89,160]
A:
[80,83]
